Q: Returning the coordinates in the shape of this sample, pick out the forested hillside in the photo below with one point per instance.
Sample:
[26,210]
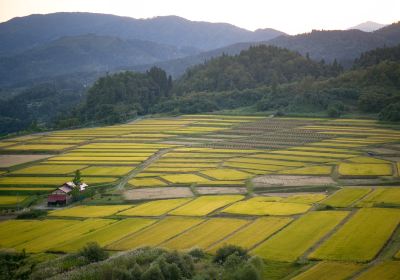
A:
[257,66]
[262,78]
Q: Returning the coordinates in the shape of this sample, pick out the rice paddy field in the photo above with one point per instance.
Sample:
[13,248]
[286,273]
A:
[321,192]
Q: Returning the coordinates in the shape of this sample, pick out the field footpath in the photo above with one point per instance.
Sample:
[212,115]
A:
[141,167]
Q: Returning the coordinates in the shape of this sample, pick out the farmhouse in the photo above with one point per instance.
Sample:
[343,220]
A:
[62,195]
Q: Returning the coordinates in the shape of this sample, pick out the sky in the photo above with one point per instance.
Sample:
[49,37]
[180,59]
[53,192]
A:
[290,16]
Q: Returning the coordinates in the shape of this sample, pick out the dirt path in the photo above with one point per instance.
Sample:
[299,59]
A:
[139,168]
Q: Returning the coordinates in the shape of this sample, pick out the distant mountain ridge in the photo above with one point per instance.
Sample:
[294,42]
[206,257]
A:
[23,33]
[368,26]
[83,53]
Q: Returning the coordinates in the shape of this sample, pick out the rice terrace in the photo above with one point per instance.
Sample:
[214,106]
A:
[311,197]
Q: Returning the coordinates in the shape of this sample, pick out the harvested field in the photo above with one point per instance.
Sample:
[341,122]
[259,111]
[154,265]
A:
[291,181]
[157,193]
[11,160]
[221,190]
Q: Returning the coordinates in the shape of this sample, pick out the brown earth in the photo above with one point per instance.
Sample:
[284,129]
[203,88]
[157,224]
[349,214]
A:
[11,160]
[157,193]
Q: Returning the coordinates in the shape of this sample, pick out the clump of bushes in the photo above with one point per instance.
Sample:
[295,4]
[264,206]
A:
[32,214]
[92,262]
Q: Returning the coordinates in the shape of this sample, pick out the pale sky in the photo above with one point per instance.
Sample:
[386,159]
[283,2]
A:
[290,16]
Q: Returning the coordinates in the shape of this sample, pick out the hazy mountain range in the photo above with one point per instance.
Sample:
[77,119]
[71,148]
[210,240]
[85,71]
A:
[368,26]
[38,48]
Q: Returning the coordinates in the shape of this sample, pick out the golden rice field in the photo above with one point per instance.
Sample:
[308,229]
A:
[213,159]
[384,270]
[147,182]
[309,170]
[294,240]
[89,211]
[16,234]
[381,196]
[205,234]
[254,233]
[38,147]
[361,238]
[346,197]
[257,207]
[155,208]
[50,181]
[11,199]
[50,169]
[365,169]
[204,205]
[330,271]
[155,234]
[104,236]
[226,174]
[48,240]
[106,171]
[184,178]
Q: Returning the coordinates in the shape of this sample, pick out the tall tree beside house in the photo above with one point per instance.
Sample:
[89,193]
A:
[77,178]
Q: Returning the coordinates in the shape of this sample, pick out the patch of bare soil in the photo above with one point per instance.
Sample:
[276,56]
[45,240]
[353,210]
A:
[157,193]
[220,190]
[291,181]
[11,160]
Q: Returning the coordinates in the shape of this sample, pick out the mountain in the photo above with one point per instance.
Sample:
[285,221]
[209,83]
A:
[342,45]
[83,53]
[23,33]
[176,67]
[368,26]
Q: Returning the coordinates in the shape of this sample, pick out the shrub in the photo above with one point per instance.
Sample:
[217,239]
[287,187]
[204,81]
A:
[92,252]
[32,214]
[224,252]
[153,273]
